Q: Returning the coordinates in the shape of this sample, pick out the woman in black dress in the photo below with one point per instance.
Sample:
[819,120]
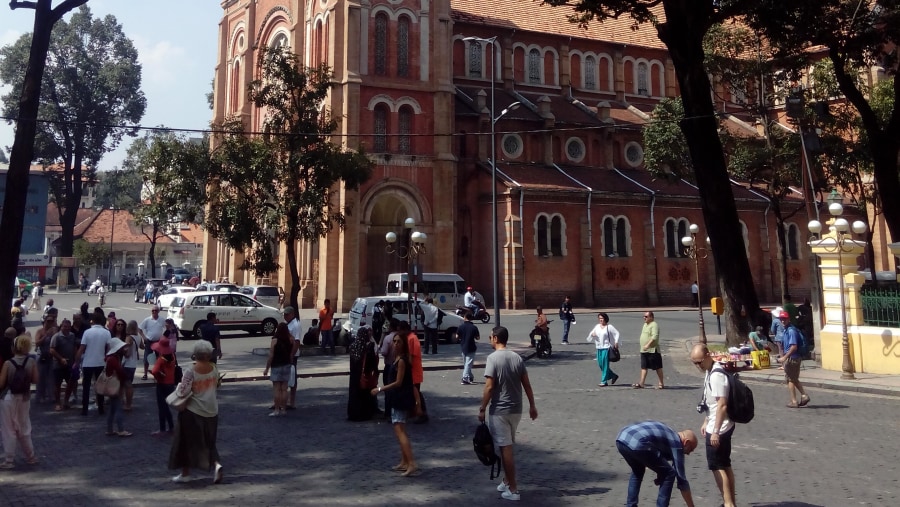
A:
[361,405]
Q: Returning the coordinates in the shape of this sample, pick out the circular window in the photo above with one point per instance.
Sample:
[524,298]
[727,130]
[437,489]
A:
[575,149]
[634,154]
[240,42]
[512,145]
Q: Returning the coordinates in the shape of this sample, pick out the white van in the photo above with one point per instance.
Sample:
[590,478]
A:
[447,289]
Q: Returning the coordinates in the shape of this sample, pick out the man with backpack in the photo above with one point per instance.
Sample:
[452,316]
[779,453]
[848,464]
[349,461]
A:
[793,354]
[717,427]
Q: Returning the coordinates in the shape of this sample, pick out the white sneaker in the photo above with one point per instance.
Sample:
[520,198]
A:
[502,487]
[181,478]
[509,495]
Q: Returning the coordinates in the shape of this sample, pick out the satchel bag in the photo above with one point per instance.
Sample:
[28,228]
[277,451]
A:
[614,355]
[369,380]
[179,402]
[107,385]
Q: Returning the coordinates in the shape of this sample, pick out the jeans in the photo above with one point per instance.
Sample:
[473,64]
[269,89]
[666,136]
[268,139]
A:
[328,340]
[115,412]
[89,373]
[468,361]
[566,323]
[431,336]
[640,461]
[165,415]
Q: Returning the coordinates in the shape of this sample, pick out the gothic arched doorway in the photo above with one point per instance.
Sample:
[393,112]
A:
[386,212]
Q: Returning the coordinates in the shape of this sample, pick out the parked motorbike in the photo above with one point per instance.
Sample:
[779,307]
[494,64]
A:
[481,314]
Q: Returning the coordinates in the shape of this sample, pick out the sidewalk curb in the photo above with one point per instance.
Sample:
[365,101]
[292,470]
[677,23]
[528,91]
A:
[844,386]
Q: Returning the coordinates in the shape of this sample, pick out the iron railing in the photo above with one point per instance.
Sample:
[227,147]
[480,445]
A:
[881,304]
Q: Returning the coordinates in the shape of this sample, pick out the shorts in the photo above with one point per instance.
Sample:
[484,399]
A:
[63,373]
[280,373]
[792,370]
[719,459]
[398,416]
[651,361]
[503,428]
[129,376]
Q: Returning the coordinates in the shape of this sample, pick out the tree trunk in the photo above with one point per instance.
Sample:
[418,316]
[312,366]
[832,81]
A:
[17,178]
[69,210]
[887,177]
[687,21]
[151,256]
[291,254]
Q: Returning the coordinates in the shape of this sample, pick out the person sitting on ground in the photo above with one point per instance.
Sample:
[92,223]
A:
[311,338]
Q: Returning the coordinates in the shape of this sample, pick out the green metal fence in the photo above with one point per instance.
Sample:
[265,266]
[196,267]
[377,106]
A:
[881,305]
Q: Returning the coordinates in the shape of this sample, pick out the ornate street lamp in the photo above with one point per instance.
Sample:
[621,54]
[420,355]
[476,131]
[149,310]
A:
[140,267]
[836,242]
[415,246]
[696,252]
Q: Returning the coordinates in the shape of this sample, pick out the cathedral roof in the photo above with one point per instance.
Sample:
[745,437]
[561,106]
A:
[534,17]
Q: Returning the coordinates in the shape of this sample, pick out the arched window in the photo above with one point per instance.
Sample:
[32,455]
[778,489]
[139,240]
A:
[550,235]
[675,230]
[616,237]
[236,86]
[793,242]
[590,73]
[403,47]
[622,239]
[534,67]
[643,82]
[542,247]
[556,236]
[475,52]
[381,27]
[405,119]
[381,128]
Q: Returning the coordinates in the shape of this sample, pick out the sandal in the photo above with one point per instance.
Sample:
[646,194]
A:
[804,401]
[124,433]
[399,467]
[792,405]
[636,386]
[660,386]
[58,408]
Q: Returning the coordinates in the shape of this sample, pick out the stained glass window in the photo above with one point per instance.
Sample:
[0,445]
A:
[590,73]
[642,79]
[534,66]
[380,129]
[403,47]
[475,53]
[381,22]
[405,129]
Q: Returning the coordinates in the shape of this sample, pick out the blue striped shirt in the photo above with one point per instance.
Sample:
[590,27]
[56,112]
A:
[656,436]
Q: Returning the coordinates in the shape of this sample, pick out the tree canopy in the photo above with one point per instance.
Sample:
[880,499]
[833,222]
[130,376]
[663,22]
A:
[279,186]
[92,89]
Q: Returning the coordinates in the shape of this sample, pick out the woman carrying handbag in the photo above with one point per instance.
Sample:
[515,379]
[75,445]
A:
[113,387]
[606,339]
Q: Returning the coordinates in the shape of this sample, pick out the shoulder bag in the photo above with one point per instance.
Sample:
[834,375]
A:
[183,391]
[107,385]
[368,380]
[614,355]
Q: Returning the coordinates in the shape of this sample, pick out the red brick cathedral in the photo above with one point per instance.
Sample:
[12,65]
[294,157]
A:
[421,83]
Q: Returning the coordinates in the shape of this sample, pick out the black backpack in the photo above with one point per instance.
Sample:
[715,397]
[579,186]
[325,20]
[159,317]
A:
[20,383]
[484,449]
[740,398]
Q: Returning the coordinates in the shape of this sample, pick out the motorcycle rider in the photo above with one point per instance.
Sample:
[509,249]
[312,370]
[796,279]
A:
[541,326]
[470,301]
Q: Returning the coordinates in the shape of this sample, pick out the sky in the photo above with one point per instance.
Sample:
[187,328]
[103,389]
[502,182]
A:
[176,42]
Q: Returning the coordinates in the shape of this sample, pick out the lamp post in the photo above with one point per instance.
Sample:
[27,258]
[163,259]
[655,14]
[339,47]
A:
[696,252]
[140,267]
[163,265]
[840,234]
[415,246]
[495,240]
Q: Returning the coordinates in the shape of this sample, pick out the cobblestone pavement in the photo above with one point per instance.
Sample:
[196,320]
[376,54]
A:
[839,451]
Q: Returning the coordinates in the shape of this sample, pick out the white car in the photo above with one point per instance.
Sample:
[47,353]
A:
[234,312]
[362,310]
[165,299]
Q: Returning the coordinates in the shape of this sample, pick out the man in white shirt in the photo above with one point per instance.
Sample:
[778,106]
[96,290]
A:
[429,319]
[151,330]
[93,353]
[294,327]
[716,428]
